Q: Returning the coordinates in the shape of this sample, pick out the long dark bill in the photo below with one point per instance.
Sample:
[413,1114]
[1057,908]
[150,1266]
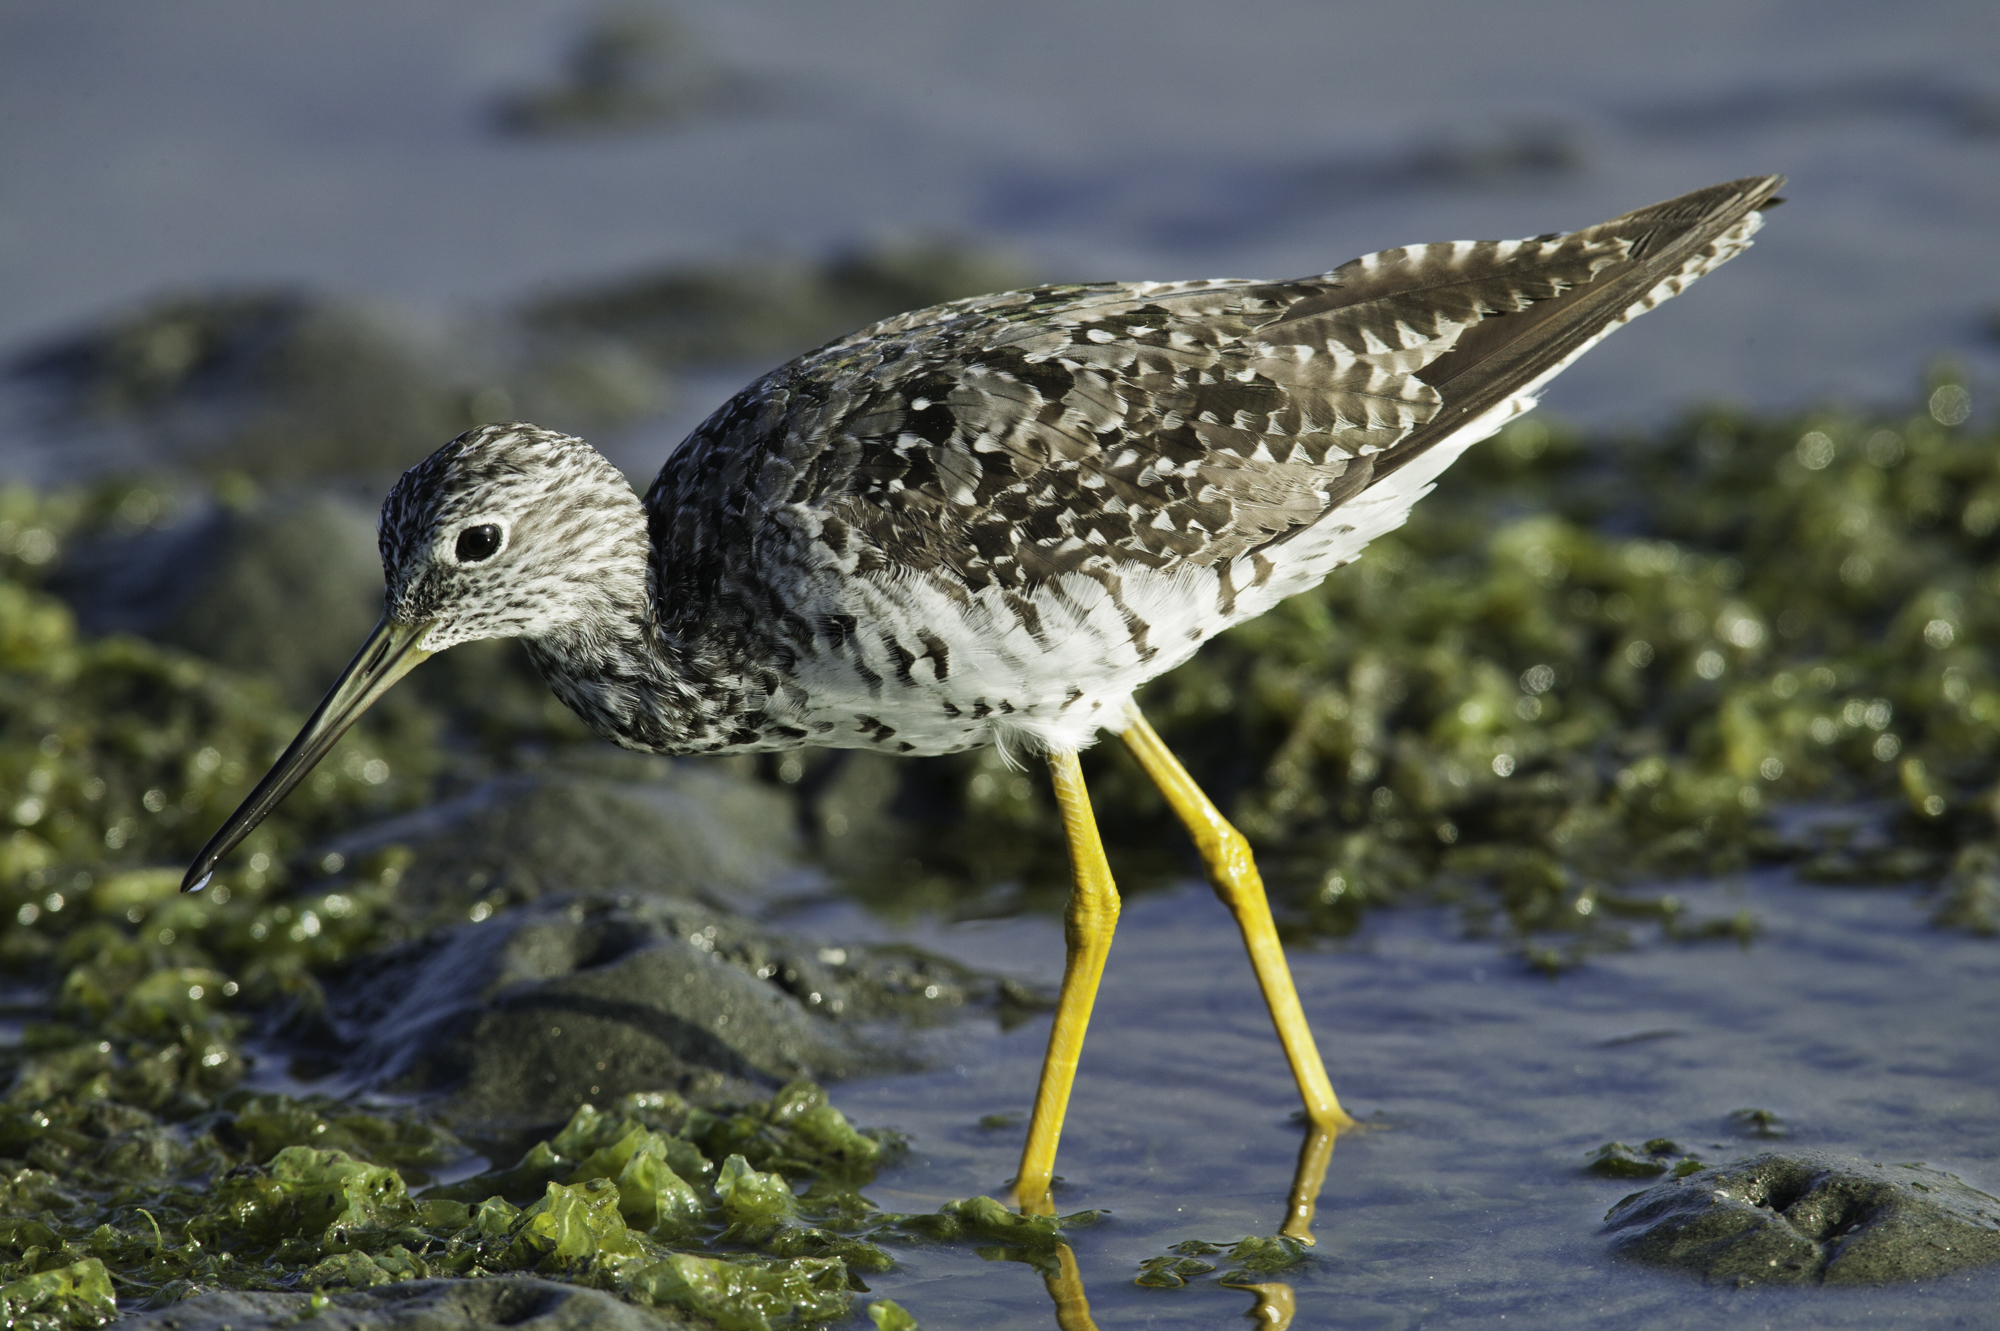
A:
[390,653]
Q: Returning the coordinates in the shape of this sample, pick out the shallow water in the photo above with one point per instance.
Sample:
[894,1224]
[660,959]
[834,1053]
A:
[1484,1085]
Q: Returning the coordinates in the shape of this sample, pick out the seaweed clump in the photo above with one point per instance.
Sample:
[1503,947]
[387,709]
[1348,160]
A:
[1255,1257]
[655,1200]
[117,751]
[120,754]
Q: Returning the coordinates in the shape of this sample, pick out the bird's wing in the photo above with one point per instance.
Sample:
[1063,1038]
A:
[1013,438]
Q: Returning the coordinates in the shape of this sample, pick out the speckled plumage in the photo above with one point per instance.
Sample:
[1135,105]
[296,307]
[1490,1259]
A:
[992,520]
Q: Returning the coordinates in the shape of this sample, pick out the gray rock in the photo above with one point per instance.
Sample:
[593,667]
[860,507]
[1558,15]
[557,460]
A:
[629,69]
[520,1019]
[284,384]
[289,592]
[770,308]
[520,1303]
[683,829]
[287,586]
[1810,1217]
[938,833]
[529,1015]
[284,586]
[581,936]
[849,802]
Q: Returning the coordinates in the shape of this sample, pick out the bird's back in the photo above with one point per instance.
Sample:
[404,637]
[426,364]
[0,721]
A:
[1008,512]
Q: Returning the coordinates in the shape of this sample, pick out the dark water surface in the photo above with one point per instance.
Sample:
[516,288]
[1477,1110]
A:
[1485,1086]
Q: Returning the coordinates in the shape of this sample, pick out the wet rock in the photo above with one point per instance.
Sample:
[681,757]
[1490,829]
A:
[848,801]
[1492,157]
[578,936]
[687,828]
[1754,1122]
[522,1018]
[1809,1218]
[962,834]
[292,590]
[520,1302]
[282,383]
[271,382]
[630,69]
[287,586]
[286,589]
[772,308]
[1617,1160]
[1969,896]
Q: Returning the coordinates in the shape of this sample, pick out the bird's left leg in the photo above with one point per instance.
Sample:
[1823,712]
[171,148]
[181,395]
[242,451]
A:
[1087,928]
[1233,873]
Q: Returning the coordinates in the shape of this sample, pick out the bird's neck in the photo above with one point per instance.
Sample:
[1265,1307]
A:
[643,684]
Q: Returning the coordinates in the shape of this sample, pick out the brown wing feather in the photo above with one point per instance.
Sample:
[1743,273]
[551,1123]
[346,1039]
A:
[1011,438]
[1658,251]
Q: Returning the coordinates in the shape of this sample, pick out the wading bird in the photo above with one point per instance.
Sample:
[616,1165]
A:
[989,522]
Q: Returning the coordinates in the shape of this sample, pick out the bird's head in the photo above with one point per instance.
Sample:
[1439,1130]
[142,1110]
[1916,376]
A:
[509,531]
[506,531]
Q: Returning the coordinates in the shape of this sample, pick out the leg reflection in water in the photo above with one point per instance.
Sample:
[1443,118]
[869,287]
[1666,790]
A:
[1315,1154]
[1276,1303]
[1065,1284]
[1275,1307]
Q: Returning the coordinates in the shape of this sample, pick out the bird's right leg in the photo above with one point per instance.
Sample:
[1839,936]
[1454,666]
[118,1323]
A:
[1087,928]
[1233,873]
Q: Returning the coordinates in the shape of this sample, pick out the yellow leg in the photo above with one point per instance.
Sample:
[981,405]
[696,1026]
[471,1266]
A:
[1087,929]
[1234,875]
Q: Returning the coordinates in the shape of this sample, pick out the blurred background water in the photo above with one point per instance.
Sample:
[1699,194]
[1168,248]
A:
[466,171]
[454,158]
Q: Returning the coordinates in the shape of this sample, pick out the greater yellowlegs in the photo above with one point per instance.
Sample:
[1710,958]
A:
[991,521]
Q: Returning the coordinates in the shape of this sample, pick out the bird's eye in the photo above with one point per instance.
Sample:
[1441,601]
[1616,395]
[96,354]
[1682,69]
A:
[477,543]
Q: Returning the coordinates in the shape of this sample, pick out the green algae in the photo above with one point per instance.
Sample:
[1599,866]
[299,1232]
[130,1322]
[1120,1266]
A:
[1752,1122]
[123,755]
[263,1125]
[888,1315]
[119,753]
[1250,1260]
[757,1205]
[736,1245]
[652,1195]
[74,1296]
[797,1128]
[134,1168]
[1617,1160]
[1660,1155]
[304,1192]
[748,1296]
